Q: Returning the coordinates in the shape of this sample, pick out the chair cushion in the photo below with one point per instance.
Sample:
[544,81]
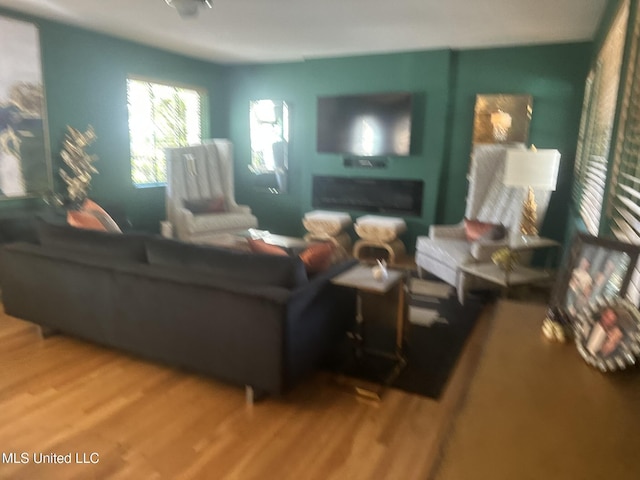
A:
[220,221]
[449,252]
[237,266]
[206,205]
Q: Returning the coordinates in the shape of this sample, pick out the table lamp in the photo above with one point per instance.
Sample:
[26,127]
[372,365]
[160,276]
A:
[531,169]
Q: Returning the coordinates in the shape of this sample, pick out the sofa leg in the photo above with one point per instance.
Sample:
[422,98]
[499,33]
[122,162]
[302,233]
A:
[253,395]
[46,332]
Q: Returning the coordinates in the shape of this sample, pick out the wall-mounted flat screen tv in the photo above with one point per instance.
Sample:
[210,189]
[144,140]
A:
[369,125]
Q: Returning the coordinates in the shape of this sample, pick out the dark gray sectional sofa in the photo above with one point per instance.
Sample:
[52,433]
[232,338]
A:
[249,319]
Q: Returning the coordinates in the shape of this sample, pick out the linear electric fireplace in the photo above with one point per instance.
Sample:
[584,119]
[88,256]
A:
[376,195]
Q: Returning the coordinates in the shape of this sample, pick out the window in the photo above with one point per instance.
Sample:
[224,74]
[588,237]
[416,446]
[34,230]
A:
[160,116]
[594,143]
[623,206]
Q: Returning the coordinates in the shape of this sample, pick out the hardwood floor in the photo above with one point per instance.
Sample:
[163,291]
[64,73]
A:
[146,421]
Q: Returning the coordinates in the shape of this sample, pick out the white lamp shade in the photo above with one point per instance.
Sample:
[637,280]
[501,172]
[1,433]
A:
[528,168]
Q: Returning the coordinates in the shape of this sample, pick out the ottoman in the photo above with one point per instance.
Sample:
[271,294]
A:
[379,233]
[323,225]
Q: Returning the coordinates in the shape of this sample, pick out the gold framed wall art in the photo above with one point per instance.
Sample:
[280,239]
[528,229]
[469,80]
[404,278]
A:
[502,118]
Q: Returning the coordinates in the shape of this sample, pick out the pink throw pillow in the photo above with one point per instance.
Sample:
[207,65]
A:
[475,229]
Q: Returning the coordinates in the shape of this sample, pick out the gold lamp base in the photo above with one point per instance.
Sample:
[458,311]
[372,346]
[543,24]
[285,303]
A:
[529,215]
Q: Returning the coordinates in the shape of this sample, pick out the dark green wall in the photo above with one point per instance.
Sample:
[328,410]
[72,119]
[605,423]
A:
[85,82]
[554,75]
[424,74]
[85,77]
[446,84]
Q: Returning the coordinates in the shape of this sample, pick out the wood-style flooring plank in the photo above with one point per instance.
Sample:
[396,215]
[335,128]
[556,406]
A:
[148,421]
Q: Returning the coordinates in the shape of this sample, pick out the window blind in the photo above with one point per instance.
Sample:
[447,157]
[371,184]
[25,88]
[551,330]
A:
[584,132]
[623,209]
[594,148]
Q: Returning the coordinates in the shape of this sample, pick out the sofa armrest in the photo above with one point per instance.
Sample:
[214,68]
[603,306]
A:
[302,296]
[482,250]
[443,232]
[318,317]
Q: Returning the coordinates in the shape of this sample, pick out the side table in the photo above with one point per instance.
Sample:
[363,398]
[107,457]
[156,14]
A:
[360,278]
[520,274]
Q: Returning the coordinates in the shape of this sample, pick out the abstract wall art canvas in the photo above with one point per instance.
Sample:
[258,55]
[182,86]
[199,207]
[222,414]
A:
[24,153]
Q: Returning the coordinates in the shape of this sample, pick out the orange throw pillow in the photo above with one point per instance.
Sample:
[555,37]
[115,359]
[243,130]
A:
[80,219]
[318,257]
[259,246]
[91,207]
[474,229]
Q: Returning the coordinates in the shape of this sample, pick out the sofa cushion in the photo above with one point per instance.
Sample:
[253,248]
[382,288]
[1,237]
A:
[257,269]
[129,247]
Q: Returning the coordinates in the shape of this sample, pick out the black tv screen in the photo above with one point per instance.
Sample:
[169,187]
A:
[365,125]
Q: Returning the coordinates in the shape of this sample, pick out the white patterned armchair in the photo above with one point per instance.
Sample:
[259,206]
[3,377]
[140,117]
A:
[204,173]
[488,200]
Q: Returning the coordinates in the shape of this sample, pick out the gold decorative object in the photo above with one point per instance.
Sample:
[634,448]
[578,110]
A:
[79,163]
[505,259]
[502,118]
[531,169]
[529,218]
[553,331]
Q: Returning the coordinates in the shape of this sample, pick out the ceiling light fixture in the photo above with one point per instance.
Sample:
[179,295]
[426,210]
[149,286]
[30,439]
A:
[188,8]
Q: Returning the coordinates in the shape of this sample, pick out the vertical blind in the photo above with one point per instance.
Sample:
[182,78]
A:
[623,205]
[600,108]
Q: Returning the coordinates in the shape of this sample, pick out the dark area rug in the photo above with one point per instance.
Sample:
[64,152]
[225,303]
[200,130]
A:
[437,330]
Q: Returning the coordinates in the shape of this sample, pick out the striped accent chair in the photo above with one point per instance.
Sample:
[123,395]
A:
[203,175]
[488,200]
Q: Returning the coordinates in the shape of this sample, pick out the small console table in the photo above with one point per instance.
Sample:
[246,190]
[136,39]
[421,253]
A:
[361,279]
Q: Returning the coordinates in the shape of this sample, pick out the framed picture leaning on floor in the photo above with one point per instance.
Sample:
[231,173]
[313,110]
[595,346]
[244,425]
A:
[595,269]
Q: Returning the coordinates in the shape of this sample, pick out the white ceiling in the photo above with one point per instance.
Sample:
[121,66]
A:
[290,30]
